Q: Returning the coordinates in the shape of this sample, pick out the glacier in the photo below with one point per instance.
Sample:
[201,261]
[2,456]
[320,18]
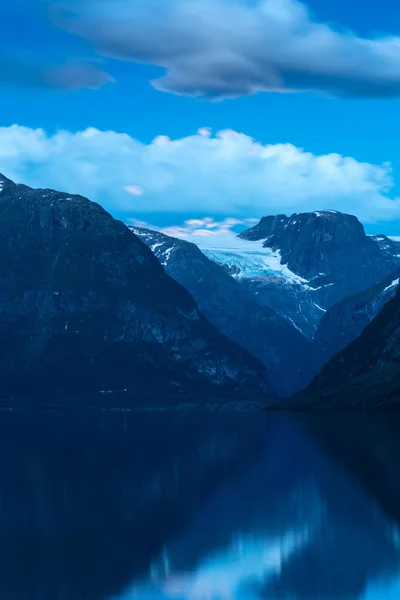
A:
[252,258]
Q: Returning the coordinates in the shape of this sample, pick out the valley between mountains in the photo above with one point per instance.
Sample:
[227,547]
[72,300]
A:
[294,291]
[297,312]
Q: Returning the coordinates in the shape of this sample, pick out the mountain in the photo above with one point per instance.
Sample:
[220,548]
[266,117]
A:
[347,319]
[366,374]
[325,247]
[259,269]
[388,246]
[300,266]
[235,310]
[86,307]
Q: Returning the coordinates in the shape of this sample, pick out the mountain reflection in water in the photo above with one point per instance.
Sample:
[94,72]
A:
[199,506]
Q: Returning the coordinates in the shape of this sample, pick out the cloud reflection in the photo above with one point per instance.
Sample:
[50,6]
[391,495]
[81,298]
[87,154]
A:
[224,575]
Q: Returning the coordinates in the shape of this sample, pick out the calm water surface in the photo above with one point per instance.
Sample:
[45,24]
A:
[199,507]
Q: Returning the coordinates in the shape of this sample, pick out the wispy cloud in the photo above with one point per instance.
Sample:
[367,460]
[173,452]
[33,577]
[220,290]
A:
[75,76]
[228,173]
[71,76]
[227,48]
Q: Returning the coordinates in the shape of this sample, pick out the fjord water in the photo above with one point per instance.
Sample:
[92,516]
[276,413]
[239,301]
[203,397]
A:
[195,506]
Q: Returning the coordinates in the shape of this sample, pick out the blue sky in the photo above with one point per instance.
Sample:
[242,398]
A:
[48,65]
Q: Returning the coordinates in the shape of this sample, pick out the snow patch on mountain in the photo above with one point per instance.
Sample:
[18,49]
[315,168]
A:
[319,307]
[155,246]
[165,256]
[394,283]
[295,325]
[252,259]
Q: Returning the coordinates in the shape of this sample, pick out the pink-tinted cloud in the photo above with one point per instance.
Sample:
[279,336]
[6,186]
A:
[139,223]
[135,190]
[205,131]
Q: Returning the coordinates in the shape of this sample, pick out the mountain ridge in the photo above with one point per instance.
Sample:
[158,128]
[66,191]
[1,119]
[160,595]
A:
[85,306]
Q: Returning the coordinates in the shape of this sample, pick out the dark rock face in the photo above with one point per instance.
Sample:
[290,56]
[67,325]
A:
[266,228]
[309,242]
[234,309]
[331,251]
[85,306]
[345,321]
[366,375]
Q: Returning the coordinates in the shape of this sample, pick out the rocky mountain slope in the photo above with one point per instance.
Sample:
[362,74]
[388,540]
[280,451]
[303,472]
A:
[301,266]
[366,374]
[86,307]
[346,320]
[235,310]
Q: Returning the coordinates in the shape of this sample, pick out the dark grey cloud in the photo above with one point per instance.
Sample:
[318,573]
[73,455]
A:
[226,48]
[75,76]
[17,74]
[71,76]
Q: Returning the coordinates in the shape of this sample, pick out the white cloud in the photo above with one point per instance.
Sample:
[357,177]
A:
[192,229]
[223,174]
[227,48]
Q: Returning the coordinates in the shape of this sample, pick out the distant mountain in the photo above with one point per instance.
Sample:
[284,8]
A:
[366,374]
[317,273]
[322,246]
[300,266]
[387,245]
[235,310]
[86,307]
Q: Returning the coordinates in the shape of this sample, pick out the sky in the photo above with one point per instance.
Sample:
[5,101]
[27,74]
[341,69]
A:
[204,115]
